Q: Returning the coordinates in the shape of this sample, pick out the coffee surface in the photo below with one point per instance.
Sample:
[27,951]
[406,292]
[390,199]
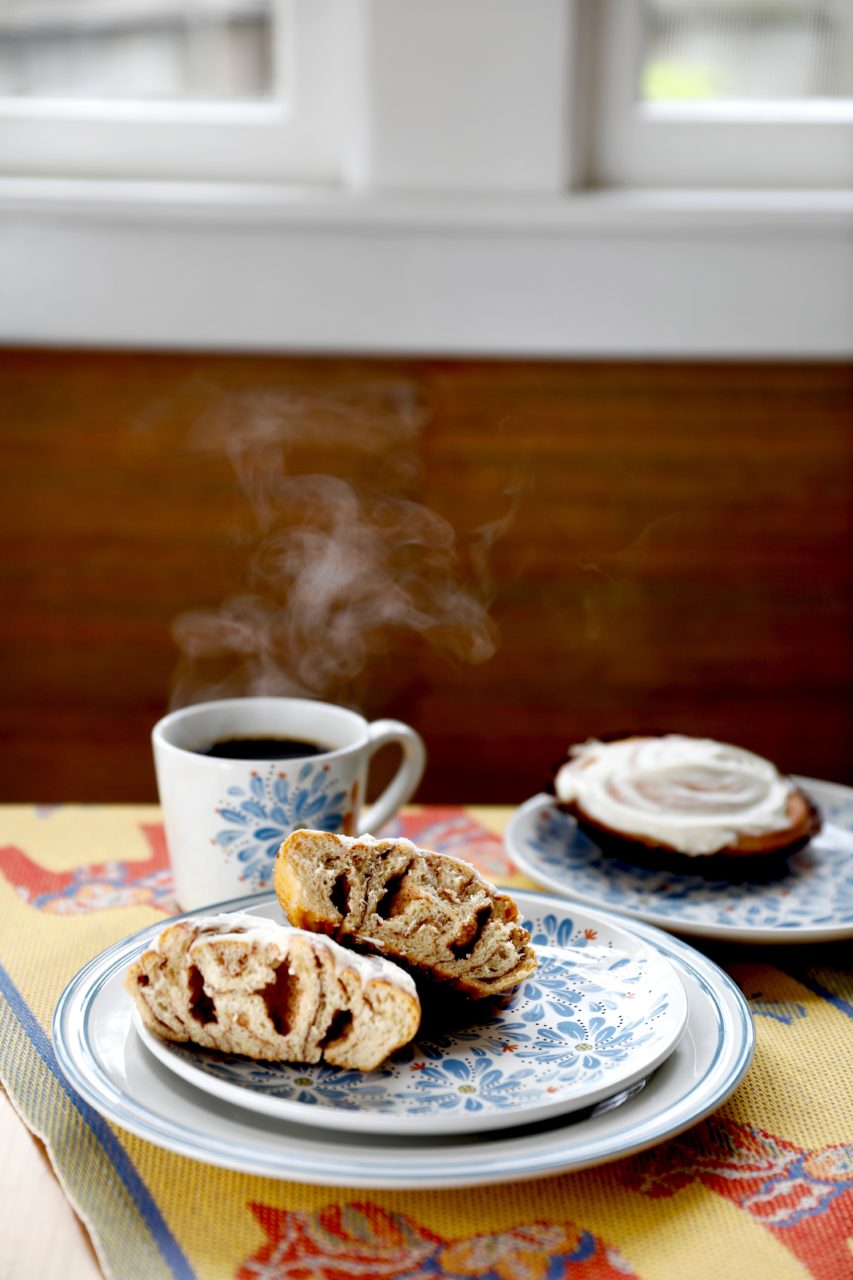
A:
[263,749]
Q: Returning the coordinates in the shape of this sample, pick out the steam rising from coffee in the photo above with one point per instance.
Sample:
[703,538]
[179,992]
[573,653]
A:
[337,572]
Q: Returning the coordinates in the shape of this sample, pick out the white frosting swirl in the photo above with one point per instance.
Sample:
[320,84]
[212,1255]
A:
[690,794]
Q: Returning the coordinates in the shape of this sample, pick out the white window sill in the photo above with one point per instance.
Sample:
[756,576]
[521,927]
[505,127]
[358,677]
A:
[340,208]
[250,267]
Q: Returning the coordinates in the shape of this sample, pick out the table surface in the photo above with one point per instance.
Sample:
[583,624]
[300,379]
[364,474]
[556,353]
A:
[29,1192]
[765,1187]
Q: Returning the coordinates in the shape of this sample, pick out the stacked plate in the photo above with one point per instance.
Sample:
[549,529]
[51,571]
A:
[623,1037]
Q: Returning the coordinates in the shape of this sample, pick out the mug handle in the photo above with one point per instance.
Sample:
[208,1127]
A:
[405,781]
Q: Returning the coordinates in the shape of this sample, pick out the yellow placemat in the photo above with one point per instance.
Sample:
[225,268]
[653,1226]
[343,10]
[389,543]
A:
[762,1188]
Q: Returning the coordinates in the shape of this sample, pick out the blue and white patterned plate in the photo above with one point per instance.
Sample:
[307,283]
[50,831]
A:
[106,1064]
[811,901]
[601,1012]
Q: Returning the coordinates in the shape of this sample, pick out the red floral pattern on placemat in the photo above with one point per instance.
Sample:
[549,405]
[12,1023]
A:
[804,1197]
[98,886]
[343,1241]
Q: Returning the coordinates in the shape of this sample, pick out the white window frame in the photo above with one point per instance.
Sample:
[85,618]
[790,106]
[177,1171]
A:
[463,227]
[731,144]
[297,134]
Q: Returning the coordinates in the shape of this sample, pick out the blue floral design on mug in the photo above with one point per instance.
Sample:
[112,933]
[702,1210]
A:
[259,816]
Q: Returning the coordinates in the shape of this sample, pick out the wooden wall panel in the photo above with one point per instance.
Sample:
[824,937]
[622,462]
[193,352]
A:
[671,550]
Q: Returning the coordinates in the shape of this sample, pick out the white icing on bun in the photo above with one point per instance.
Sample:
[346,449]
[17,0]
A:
[693,795]
[238,924]
[242,984]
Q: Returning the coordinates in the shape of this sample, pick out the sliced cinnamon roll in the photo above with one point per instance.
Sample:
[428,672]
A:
[429,911]
[246,985]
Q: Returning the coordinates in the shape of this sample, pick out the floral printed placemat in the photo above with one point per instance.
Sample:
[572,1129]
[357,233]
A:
[763,1187]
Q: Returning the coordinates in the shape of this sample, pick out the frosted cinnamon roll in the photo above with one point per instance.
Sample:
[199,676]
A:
[250,986]
[691,797]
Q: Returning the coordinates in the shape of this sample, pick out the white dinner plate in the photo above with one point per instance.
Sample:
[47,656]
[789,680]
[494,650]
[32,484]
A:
[599,1014]
[810,901]
[104,1059]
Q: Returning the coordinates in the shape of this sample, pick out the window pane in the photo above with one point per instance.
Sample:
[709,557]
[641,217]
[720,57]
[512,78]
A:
[158,50]
[704,49]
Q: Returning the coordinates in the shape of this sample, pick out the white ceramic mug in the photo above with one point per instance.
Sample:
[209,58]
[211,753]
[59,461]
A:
[226,818]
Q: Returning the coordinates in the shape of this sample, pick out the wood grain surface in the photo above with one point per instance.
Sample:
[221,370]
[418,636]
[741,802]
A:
[42,1237]
[656,546]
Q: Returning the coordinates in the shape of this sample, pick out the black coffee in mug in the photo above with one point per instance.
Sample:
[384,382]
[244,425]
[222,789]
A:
[262,749]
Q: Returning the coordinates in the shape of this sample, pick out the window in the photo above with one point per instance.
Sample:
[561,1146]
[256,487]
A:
[243,89]
[725,93]
[429,175]
[431,94]
[748,49]
[143,50]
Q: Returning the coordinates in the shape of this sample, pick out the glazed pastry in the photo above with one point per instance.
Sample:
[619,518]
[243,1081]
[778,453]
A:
[687,796]
[245,985]
[430,911]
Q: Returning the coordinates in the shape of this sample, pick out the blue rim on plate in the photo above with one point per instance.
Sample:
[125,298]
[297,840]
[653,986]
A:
[103,1059]
[811,901]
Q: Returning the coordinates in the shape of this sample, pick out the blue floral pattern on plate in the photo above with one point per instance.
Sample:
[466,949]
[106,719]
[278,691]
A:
[256,818]
[601,1012]
[811,900]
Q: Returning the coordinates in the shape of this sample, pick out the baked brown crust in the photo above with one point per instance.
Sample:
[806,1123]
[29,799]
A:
[276,995]
[431,912]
